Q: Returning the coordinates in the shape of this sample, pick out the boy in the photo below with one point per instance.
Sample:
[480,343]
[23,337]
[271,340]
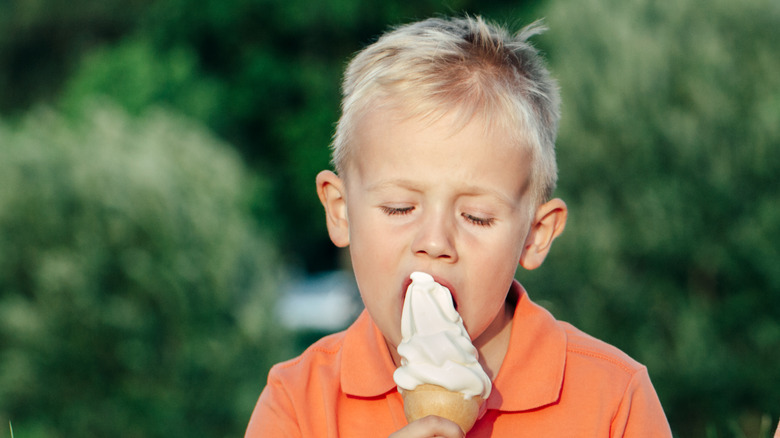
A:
[445,164]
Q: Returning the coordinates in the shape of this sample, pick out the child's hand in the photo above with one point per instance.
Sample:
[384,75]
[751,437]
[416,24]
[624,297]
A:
[430,427]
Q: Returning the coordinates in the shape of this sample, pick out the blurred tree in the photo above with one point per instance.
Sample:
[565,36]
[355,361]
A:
[41,43]
[669,156]
[136,288]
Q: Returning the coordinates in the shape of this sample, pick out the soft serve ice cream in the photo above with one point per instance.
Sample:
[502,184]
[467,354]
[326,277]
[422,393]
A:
[437,357]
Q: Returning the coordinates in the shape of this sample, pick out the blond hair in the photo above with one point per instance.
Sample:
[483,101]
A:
[433,67]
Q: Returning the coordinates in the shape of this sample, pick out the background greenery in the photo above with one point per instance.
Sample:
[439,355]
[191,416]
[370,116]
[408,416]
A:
[157,160]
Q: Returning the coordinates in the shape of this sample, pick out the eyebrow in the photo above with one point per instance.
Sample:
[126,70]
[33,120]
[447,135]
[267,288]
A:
[395,183]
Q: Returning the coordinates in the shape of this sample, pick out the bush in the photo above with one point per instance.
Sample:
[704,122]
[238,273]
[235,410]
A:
[136,287]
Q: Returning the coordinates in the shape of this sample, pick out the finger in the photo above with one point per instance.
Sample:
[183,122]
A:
[430,427]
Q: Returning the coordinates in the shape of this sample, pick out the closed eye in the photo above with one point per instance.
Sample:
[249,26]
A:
[395,211]
[480,221]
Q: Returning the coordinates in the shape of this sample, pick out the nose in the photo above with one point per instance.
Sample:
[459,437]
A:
[436,238]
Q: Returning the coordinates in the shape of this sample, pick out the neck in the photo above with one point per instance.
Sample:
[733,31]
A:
[494,343]
[393,353]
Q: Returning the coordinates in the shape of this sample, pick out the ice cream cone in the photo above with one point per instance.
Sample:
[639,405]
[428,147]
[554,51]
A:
[429,399]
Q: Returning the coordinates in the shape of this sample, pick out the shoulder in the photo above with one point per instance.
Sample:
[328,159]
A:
[321,357]
[597,352]
[596,367]
[282,407]
[605,378]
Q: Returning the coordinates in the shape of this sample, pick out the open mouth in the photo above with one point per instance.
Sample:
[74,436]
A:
[447,285]
[408,282]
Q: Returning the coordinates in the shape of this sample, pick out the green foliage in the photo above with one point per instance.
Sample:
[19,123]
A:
[136,288]
[41,41]
[670,165]
[135,74]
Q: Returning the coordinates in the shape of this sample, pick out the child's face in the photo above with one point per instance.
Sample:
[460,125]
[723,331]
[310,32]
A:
[426,197]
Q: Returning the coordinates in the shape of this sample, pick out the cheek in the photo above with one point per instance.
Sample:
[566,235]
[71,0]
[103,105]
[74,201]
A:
[373,238]
[493,272]
[372,252]
[486,305]
[380,296]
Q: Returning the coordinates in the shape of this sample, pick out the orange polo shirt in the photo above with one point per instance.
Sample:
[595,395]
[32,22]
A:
[555,381]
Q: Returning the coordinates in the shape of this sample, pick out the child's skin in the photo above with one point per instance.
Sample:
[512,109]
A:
[423,195]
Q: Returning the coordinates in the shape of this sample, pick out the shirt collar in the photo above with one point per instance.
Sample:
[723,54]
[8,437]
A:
[366,367]
[530,376]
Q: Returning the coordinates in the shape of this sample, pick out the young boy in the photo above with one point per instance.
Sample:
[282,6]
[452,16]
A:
[445,164]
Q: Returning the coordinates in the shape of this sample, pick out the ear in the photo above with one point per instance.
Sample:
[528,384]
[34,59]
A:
[549,222]
[330,189]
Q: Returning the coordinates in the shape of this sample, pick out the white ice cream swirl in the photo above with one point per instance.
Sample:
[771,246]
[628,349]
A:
[436,348]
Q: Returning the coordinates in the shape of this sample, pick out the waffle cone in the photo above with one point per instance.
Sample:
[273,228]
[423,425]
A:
[429,399]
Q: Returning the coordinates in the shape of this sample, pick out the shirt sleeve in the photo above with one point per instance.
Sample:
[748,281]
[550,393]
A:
[274,415]
[640,414]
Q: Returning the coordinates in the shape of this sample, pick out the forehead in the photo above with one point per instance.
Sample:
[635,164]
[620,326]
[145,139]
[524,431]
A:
[432,113]
[395,150]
